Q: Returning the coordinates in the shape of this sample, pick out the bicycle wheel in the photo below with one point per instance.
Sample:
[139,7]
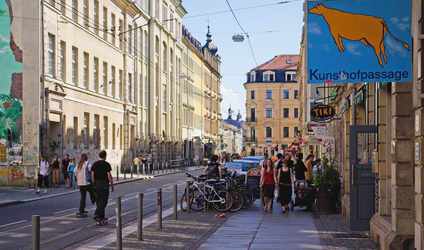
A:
[248,196]
[197,202]
[238,200]
[225,204]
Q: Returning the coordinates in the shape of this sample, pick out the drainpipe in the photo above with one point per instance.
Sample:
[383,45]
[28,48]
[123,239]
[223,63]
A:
[135,70]
[42,134]
[352,101]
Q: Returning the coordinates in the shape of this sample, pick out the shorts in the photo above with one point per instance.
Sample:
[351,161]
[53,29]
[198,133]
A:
[65,175]
[56,176]
[269,190]
[42,179]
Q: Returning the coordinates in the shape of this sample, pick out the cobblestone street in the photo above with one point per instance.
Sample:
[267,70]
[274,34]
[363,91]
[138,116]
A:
[334,234]
[188,232]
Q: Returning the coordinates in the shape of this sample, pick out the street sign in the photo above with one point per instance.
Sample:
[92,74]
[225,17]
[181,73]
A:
[322,112]
[359,41]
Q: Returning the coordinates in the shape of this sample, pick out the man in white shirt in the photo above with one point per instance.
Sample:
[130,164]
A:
[43,174]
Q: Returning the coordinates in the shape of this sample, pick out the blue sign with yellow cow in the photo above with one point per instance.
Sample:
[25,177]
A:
[359,41]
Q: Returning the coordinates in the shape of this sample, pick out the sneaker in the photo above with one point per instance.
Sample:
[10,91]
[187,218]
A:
[45,191]
[38,191]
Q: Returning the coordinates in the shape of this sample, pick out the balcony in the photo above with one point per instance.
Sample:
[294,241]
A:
[251,139]
[251,119]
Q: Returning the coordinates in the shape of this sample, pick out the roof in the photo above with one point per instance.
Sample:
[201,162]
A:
[280,63]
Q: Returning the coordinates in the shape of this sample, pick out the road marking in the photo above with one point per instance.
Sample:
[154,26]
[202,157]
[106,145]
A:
[64,211]
[14,223]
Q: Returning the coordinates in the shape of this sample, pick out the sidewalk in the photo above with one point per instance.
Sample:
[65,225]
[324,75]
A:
[16,195]
[247,229]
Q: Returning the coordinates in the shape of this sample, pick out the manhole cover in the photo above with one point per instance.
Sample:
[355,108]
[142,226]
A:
[349,236]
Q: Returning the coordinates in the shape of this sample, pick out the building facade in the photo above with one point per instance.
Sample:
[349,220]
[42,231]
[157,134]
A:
[97,75]
[272,105]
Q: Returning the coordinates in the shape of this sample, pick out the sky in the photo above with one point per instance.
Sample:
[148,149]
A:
[273,29]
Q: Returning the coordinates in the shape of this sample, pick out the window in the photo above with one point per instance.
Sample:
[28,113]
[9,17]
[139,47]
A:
[286,94]
[112,26]
[85,70]
[140,89]
[112,81]
[164,58]
[286,113]
[104,77]
[96,17]
[285,132]
[120,85]
[252,77]
[290,76]
[85,13]
[105,139]
[271,77]
[96,131]
[157,46]
[130,88]
[51,55]
[120,38]
[296,113]
[140,43]
[295,131]
[164,100]
[74,65]
[266,77]
[296,93]
[113,136]
[252,95]
[171,17]
[62,60]
[74,10]
[157,9]
[269,113]
[86,121]
[62,6]
[95,74]
[269,94]
[145,92]
[253,132]
[75,132]
[268,132]
[130,39]
[104,23]
[253,114]
[145,43]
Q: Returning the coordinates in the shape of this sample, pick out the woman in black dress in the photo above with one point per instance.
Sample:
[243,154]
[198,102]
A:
[285,178]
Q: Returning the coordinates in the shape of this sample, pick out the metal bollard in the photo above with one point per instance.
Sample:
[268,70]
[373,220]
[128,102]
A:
[125,172]
[175,202]
[159,208]
[140,217]
[188,196]
[162,167]
[205,208]
[132,171]
[118,223]
[117,173]
[35,232]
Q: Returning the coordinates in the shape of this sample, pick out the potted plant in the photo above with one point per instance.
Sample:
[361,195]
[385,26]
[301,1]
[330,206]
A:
[327,183]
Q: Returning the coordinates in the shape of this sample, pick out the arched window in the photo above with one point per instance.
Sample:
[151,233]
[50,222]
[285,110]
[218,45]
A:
[164,68]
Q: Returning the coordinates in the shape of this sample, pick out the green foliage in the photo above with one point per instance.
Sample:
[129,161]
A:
[329,177]
[10,112]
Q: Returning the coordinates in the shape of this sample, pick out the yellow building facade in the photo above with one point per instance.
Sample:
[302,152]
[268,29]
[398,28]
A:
[272,106]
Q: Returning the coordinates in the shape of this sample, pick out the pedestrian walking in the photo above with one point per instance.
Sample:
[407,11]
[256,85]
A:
[101,174]
[83,175]
[268,183]
[213,169]
[277,165]
[143,167]
[299,168]
[149,160]
[261,164]
[286,182]
[317,167]
[43,174]
[56,171]
[136,163]
[71,169]
[309,167]
[65,170]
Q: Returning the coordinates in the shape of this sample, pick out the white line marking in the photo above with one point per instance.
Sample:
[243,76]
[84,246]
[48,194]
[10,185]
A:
[67,210]
[10,224]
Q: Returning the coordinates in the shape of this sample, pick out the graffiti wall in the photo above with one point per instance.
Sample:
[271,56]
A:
[10,95]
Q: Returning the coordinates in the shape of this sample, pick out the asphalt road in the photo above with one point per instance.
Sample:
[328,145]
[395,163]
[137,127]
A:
[60,229]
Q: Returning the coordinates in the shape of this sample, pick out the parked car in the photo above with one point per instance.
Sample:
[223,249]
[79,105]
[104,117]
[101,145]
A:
[254,158]
[246,165]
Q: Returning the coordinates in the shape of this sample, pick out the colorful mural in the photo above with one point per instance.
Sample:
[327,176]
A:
[10,82]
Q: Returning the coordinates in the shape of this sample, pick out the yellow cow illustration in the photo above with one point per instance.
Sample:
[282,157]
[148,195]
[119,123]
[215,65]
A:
[3,12]
[369,30]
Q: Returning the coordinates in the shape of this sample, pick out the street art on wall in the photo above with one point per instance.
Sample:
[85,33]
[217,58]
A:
[359,41]
[10,84]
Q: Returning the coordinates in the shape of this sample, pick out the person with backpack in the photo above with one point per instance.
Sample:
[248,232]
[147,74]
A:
[101,174]
[84,179]
[213,169]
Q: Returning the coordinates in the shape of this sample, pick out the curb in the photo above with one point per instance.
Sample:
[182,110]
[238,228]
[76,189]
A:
[16,202]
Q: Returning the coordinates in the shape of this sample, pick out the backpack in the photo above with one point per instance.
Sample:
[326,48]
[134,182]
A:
[210,171]
[88,176]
